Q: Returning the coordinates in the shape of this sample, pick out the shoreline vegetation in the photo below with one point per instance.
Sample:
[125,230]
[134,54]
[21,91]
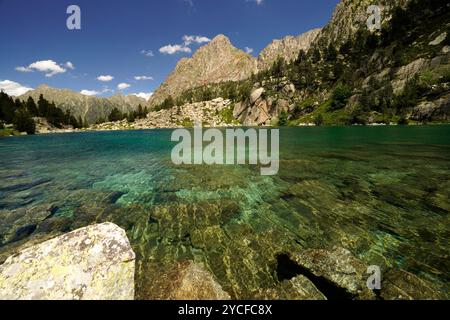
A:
[121,126]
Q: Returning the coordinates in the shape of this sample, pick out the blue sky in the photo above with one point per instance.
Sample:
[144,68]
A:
[122,40]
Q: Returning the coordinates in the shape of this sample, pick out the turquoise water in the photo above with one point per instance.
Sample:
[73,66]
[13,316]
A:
[381,192]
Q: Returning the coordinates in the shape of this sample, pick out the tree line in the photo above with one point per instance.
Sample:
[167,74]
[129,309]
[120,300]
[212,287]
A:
[21,114]
[117,115]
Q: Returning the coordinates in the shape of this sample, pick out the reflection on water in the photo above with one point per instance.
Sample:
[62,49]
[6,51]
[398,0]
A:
[382,193]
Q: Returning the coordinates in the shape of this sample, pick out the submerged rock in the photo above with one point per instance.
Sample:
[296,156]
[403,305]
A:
[92,263]
[339,267]
[401,285]
[298,288]
[188,281]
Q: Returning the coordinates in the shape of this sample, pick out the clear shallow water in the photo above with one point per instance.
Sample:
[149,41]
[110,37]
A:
[381,192]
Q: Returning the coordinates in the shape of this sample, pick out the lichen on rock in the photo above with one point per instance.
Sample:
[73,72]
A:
[92,263]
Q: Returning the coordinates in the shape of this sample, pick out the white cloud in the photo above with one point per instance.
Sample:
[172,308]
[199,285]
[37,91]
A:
[142,78]
[123,86]
[90,92]
[95,92]
[105,78]
[13,88]
[172,49]
[187,41]
[23,69]
[147,53]
[69,65]
[258,2]
[143,95]
[195,39]
[49,67]
[248,50]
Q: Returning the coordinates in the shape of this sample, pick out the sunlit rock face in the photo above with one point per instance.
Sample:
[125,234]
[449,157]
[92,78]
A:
[288,48]
[218,61]
[92,263]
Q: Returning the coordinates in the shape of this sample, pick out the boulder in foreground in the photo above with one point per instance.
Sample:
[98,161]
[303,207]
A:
[92,263]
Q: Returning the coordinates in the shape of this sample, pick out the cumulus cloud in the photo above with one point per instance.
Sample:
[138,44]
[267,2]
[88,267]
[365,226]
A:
[147,53]
[142,78]
[13,88]
[90,92]
[143,95]
[195,39]
[248,50]
[123,86]
[172,49]
[49,67]
[187,41]
[258,2]
[95,92]
[106,78]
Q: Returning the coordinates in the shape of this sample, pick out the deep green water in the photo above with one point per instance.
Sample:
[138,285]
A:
[381,192]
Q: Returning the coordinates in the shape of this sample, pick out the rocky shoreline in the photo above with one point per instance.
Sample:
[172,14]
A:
[98,263]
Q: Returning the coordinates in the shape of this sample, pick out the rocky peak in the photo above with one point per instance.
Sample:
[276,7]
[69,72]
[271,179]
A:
[288,48]
[218,61]
[221,40]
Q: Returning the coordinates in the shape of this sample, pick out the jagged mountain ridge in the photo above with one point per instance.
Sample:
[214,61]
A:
[287,48]
[375,66]
[348,17]
[89,108]
[218,61]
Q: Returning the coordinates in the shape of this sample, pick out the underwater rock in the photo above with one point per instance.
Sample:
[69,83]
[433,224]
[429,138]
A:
[92,263]
[21,223]
[188,281]
[339,267]
[401,285]
[298,288]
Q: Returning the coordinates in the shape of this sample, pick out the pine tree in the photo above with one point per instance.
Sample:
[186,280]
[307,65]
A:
[43,106]
[115,115]
[23,122]
[31,107]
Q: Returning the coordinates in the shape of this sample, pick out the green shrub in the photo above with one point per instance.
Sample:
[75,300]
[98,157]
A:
[318,120]
[403,121]
[283,119]
[340,97]
[227,115]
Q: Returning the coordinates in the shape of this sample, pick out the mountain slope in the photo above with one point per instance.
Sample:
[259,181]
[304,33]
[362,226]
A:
[350,16]
[350,74]
[287,48]
[89,108]
[218,61]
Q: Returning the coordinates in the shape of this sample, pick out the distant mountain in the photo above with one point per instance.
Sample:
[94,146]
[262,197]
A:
[89,108]
[287,48]
[216,62]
